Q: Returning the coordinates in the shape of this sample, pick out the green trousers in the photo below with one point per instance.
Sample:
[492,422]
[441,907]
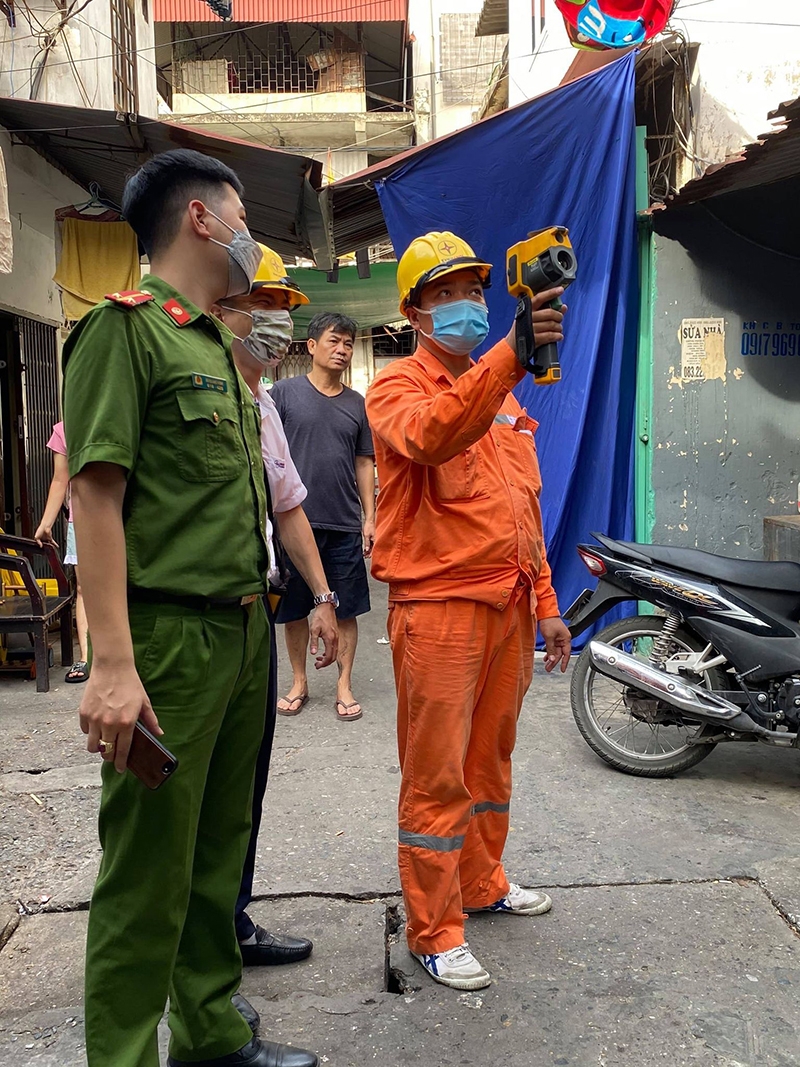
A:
[161,923]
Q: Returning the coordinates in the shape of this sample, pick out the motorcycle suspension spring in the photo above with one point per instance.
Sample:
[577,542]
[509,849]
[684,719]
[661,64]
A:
[662,642]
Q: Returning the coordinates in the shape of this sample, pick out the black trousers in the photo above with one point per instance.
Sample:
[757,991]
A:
[245,927]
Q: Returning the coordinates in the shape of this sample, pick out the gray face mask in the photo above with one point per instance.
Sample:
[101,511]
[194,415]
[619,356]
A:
[270,336]
[244,259]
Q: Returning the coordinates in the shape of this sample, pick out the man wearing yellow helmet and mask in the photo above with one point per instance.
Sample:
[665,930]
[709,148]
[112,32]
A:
[459,540]
[262,326]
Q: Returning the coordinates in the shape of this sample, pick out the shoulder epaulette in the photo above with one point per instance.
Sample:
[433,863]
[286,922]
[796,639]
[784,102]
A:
[130,297]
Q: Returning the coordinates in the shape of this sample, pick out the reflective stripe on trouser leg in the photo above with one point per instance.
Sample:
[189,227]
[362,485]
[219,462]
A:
[489,805]
[430,842]
[437,695]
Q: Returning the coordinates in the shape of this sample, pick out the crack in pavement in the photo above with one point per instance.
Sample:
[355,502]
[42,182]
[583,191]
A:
[789,918]
[367,896]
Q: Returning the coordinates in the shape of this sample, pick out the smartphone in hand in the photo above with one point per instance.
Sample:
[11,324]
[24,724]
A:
[148,759]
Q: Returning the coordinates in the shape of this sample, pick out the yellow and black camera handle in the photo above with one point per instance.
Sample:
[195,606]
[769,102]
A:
[545,260]
[541,362]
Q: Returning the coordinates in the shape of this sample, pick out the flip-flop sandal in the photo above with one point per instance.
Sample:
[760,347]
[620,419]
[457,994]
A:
[293,700]
[348,718]
[78,672]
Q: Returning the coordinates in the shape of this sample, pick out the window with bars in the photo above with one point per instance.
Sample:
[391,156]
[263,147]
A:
[123,48]
[466,61]
[276,69]
[297,361]
[270,59]
[460,54]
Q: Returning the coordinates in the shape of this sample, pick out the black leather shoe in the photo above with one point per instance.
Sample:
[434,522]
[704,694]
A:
[273,949]
[257,1054]
[247,1011]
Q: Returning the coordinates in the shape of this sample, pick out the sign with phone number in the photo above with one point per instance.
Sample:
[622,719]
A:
[770,339]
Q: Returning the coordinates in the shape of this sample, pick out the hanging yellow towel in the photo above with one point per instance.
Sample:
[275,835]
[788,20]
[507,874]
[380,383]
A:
[96,258]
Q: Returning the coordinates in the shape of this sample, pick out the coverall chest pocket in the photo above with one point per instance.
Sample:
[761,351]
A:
[525,446]
[459,478]
[211,449]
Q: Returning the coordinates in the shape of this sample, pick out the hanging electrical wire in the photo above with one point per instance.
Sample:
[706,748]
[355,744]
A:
[48,37]
[387,82]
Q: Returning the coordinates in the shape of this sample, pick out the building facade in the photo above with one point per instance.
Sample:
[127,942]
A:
[100,56]
[331,81]
[326,79]
[452,66]
[732,65]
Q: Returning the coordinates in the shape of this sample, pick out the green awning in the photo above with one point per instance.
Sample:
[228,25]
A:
[370,301]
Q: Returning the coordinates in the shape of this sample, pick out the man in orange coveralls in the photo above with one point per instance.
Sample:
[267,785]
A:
[459,540]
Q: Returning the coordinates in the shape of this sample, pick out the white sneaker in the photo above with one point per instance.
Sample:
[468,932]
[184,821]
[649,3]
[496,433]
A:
[457,968]
[519,901]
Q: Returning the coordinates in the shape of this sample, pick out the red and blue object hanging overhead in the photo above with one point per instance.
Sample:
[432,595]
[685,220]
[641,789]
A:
[600,25]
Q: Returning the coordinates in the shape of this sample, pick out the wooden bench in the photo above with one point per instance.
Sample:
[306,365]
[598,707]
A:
[34,612]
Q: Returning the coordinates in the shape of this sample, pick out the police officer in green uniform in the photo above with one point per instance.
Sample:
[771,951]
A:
[170,505]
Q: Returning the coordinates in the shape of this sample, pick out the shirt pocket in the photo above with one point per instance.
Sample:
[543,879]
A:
[459,478]
[211,448]
[525,448]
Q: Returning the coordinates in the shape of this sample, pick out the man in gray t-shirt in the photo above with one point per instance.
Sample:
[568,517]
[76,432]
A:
[331,444]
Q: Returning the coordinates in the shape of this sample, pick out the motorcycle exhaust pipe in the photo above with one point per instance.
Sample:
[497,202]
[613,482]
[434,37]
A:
[696,703]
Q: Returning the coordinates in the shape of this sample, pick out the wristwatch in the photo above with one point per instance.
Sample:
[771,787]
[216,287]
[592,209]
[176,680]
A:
[326,598]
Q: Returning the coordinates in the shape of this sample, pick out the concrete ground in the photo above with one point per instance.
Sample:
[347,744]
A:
[673,937]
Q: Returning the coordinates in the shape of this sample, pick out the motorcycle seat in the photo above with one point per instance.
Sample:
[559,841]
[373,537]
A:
[779,576]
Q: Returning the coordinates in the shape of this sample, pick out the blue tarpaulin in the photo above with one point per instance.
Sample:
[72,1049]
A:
[567,158]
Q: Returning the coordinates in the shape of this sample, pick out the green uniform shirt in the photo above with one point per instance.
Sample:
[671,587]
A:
[153,388]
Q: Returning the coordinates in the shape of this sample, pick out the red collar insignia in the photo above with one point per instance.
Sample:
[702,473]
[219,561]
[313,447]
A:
[179,315]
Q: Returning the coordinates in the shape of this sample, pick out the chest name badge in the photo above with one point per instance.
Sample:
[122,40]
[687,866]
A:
[205,381]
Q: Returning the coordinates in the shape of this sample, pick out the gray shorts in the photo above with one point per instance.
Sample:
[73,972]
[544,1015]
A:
[343,560]
[71,555]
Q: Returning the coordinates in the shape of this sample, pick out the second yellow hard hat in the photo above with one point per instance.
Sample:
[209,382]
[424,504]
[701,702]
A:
[271,274]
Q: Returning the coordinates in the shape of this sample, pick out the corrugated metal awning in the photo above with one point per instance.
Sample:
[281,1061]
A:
[285,11]
[773,158]
[493,18]
[101,146]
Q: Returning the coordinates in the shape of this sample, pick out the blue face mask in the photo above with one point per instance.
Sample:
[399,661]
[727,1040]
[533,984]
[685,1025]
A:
[460,326]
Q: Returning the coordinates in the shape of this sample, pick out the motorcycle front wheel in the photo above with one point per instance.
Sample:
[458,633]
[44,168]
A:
[628,732]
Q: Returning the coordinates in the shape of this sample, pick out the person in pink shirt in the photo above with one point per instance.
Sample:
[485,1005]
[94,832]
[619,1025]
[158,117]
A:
[262,327]
[59,492]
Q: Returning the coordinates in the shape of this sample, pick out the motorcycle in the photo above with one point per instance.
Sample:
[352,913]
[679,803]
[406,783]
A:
[653,694]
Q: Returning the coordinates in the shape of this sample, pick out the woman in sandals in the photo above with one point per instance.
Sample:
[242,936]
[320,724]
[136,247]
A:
[59,492]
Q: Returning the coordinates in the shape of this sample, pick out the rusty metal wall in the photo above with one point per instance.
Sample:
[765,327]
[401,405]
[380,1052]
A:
[285,11]
[39,356]
[726,444]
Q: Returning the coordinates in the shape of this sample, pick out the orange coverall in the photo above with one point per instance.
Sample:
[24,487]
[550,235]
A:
[459,540]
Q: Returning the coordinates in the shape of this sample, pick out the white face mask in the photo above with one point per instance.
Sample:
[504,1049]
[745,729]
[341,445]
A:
[244,259]
[270,335]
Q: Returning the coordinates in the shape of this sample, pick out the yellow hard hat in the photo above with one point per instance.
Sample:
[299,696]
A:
[431,256]
[271,274]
